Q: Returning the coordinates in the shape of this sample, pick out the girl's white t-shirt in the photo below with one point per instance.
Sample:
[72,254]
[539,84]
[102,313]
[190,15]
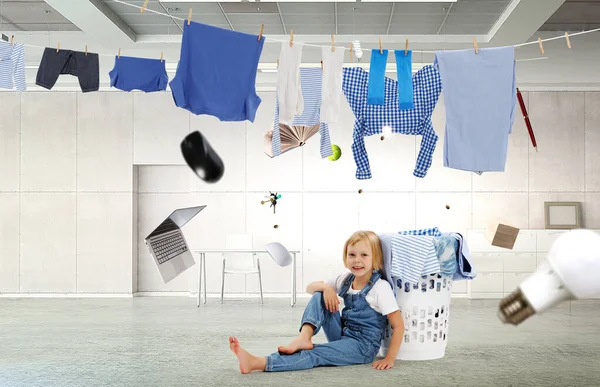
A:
[380,297]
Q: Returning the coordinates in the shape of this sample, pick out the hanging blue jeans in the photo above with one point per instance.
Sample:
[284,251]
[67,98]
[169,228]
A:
[354,337]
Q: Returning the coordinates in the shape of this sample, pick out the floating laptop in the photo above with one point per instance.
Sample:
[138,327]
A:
[168,246]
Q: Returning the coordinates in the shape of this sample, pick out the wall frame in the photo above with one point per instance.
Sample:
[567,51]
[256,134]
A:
[562,215]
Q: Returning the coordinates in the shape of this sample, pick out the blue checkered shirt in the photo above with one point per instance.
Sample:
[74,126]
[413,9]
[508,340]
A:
[310,84]
[370,119]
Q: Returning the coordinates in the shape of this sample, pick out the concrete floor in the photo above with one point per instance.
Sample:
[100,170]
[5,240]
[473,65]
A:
[170,342]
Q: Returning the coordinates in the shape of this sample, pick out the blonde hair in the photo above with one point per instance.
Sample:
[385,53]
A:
[373,240]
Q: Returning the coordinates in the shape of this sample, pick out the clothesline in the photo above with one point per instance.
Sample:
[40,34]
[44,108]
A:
[270,40]
[321,46]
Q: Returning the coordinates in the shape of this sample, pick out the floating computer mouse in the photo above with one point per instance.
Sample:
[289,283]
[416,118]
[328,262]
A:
[202,158]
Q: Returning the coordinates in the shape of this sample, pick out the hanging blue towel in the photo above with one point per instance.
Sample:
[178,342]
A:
[480,97]
[376,84]
[404,76]
[413,256]
[130,73]
[216,74]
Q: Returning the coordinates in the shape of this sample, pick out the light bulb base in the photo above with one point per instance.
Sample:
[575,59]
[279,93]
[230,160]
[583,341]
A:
[514,308]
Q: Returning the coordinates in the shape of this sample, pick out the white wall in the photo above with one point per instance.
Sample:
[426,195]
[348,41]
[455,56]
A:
[67,159]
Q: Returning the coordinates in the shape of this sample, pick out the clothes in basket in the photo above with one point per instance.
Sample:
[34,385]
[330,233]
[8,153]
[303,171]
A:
[465,269]
[413,256]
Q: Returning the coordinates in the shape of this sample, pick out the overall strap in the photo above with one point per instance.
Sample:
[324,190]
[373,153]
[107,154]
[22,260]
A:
[346,285]
[374,278]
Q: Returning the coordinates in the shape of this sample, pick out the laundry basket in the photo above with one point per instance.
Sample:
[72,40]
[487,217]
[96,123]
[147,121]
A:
[425,308]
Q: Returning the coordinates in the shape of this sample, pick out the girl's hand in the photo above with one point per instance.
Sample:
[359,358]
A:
[383,364]
[331,299]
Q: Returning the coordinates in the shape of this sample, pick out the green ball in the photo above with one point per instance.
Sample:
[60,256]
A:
[337,153]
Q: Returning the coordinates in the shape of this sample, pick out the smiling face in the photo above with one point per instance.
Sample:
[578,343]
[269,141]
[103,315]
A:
[359,258]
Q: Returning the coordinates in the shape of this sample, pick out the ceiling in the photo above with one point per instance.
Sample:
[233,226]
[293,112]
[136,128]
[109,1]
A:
[32,15]
[342,18]
[575,15]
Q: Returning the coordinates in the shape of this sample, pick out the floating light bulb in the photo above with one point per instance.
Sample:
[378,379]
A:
[571,271]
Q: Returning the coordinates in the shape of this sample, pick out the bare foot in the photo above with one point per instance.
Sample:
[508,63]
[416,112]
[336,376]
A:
[299,343]
[243,356]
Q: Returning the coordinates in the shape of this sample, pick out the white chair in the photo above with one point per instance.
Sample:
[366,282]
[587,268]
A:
[240,263]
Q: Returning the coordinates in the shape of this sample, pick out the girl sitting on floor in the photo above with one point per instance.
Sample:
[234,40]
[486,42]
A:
[355,336]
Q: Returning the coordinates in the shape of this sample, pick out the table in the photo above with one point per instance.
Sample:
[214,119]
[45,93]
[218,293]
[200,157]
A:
[202,268]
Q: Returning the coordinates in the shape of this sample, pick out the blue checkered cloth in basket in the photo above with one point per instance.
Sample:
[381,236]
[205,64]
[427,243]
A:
[424,231]
[370,119]
[310,83]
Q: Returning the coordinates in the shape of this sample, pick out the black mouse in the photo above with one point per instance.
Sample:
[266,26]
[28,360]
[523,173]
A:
[202,158]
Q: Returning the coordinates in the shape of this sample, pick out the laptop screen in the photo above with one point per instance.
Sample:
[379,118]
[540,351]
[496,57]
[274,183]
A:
[183,215]
[177,219]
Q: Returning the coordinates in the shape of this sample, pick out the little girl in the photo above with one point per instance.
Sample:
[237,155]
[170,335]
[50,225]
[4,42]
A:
[355,336]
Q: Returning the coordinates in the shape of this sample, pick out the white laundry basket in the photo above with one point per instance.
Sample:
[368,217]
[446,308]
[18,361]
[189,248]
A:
[425,308]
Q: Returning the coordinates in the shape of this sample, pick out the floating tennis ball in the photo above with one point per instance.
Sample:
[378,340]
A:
[337,153]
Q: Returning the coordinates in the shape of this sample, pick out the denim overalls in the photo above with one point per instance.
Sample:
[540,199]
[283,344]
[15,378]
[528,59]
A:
[354,338]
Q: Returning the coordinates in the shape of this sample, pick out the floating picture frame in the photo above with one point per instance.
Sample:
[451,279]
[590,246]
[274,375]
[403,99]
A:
[562,215]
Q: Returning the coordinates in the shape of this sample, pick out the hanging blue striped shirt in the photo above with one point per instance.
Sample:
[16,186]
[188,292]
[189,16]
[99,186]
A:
[12,66]
[310,82]
[413,256]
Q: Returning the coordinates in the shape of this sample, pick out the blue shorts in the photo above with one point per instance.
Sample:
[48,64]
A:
[144,74]
[216,73]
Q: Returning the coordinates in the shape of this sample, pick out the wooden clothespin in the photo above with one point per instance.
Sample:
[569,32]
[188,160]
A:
[262,27]
[119,55]
[568,40]
[86,50]
[332,44]
[144,6]
[406,48]
[475,45]
[380,46]
[190,17]
[291,38]
[58,47]
[161,56]
[351,49]
[12,39]
[541,45]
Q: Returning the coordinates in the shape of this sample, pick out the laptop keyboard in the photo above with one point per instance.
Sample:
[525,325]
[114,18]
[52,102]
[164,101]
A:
[169,247]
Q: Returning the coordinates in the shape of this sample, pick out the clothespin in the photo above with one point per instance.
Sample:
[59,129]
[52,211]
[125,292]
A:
[351,49]
[380,46]
[321,65]
[86,50]
[568,40]
[475,45]
[541,45]
[406,48]
[291,38]
[190,17]
[12,38]
[58,47]
[262,27]
[144,6]
[332,44]
[119,56]
[277,63]
[161,56]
